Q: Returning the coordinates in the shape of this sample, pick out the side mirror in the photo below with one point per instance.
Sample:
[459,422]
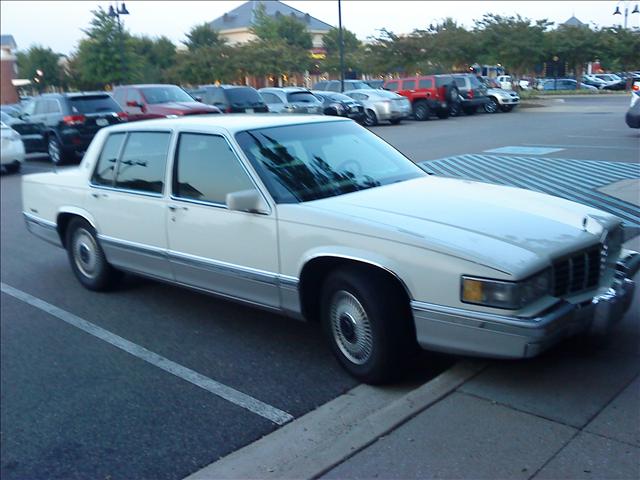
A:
[247,201]
[198,99]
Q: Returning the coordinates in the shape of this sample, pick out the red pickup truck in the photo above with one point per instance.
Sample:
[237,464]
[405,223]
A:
[429,94]
[142,102]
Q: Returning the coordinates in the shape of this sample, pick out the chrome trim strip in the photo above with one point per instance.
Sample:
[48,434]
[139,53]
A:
[134,246]
[204,263]
[125,190]
[224,267]
[475,316]
[39,221]
[199,202]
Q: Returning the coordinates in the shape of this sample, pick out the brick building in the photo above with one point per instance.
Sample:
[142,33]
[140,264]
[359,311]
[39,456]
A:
[8,70]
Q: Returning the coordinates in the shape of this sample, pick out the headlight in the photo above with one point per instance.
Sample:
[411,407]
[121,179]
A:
[338,106]
[502,294]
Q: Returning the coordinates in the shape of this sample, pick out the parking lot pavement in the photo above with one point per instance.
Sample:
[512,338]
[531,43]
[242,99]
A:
[77,406]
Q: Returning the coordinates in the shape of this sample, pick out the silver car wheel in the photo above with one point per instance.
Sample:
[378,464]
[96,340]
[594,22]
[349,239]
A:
[85,253]
[491,106]
[370,118]
[351,327]
[54,150]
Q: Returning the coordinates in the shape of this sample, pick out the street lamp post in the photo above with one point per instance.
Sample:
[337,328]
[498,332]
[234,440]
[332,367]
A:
[116,12]
[626,11]
[555,72]
[341,47]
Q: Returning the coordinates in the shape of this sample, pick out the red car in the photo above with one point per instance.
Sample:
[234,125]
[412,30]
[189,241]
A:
[142,102]
[429,95]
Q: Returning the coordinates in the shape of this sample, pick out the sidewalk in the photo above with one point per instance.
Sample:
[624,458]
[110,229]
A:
[573,413]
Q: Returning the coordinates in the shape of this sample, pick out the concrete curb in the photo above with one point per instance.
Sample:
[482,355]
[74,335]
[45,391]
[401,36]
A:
[320,440]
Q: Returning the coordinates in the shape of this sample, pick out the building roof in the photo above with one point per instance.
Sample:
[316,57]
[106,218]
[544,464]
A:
[573,22]
[244,16]
[7,41]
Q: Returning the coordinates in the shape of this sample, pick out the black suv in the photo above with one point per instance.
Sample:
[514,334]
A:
[230,98]
[69,121]
[473,94]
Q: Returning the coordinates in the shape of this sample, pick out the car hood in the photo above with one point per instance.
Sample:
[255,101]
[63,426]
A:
[178,108]
[509,229]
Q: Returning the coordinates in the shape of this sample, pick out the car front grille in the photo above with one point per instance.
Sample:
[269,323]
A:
[578,272]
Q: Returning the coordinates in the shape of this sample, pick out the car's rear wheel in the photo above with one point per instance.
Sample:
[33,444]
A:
[87,258]
[369,333]
[491,106]
[370,118]
[506,108]
[421,111]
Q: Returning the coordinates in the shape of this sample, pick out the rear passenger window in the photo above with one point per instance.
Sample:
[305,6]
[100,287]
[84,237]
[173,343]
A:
[206,169]
[409,85]
[425,83]
[142,166]
[393,86]
[105,170]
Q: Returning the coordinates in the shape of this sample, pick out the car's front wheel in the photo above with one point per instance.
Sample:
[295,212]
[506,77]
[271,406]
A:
[421,111]
[369,332]
[370,118]
[491,106]
[87,258]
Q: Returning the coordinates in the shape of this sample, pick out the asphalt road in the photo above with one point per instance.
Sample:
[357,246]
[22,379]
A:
[74,406]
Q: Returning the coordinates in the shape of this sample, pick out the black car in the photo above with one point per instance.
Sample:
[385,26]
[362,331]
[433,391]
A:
[340,105]
[633,114]
[473,94]
[69,121]
[231,98]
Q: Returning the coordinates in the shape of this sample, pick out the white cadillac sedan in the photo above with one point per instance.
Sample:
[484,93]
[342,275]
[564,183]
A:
[319,219]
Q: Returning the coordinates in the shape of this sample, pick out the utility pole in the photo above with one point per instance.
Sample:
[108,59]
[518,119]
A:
[341,47]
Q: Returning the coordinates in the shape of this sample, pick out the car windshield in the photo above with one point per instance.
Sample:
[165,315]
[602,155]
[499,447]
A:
[300,163]
[302,97]
[243,96]
[155,95]
[93,104]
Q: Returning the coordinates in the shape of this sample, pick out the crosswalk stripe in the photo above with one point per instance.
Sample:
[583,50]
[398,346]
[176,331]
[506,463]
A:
[575,180]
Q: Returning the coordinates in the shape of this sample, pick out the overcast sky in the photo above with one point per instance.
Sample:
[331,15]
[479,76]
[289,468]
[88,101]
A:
[59,24]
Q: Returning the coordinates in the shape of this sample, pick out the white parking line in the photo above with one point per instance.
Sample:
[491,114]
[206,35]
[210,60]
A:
[234,396]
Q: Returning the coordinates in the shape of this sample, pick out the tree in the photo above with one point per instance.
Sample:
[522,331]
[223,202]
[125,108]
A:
[281,28]
[618,48]
[44,60]
[453,47]
[203,36]
[513,42]
[352,51]
[100,57]
[576,45]
[156,57]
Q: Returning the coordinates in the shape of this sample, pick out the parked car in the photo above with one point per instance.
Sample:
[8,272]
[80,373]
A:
[429,94]
[381,106]
[11,149]
[31,134]
[320,219]
[473,94]
[593,81]
[230,98]
[291,100]
[334,85]
[69,121]
[505,81]
[565,84]
[340,105]
[499,99]
[144,102]
[633,114]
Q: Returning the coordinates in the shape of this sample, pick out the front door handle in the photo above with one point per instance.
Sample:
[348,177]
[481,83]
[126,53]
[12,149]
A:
[99,195]
[173,207]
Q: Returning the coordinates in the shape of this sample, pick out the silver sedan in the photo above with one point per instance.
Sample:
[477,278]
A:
[382,105]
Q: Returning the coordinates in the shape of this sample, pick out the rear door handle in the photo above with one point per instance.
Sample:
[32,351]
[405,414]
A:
[99,195]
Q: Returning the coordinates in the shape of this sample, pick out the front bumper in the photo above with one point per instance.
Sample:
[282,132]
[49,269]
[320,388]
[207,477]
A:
[508,100]
[467,332]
